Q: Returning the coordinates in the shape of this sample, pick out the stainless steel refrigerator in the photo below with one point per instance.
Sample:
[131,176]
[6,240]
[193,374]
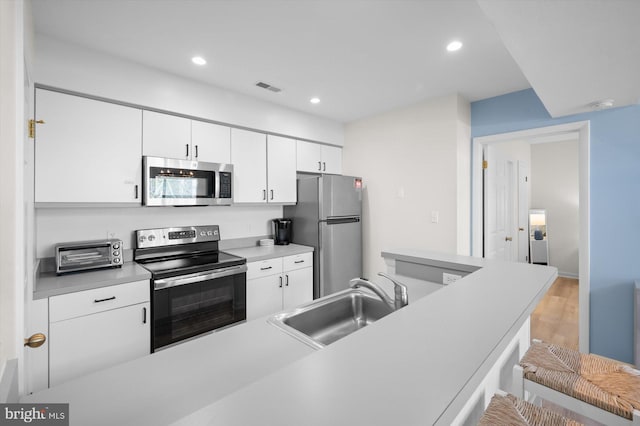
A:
[328,217]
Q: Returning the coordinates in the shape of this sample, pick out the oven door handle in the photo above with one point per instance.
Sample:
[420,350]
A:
[197,277]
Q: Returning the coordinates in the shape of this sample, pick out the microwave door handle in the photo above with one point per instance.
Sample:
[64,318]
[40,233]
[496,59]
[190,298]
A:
[198,277]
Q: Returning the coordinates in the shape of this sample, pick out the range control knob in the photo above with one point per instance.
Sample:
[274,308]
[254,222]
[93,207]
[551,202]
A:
[203,233]
[209,233]
[142,238]
[152,237]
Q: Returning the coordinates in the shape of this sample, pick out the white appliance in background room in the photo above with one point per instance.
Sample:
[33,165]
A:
[327,217]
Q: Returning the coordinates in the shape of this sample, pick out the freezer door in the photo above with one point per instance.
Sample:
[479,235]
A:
[340,254]
[340,196]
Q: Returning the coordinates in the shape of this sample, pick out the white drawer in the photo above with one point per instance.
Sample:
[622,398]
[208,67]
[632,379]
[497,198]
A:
[87,302]
[263,268]
[298,261]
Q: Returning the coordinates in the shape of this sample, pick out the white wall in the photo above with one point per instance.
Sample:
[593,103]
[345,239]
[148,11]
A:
[408,159]
[554,187]
[74,224]
[72,67]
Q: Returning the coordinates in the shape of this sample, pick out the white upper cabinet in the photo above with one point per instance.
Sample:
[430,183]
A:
[87,151]
[170,136]
[318,158]
[166,135]
[249,159]
[281,169]
[210,142]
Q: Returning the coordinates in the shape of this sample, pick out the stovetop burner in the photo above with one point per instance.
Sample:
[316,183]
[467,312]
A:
[169,252]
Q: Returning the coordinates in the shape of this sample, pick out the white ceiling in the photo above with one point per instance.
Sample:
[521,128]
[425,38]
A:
[362,57]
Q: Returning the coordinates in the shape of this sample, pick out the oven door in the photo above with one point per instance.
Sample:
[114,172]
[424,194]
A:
[189,305]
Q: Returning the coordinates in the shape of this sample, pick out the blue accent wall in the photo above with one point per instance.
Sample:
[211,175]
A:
[615,205]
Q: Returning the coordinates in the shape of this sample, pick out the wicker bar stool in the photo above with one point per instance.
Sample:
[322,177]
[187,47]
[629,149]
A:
[506,409]
[599,388]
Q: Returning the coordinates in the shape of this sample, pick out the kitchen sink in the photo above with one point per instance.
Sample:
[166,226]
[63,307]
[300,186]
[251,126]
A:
[325,320]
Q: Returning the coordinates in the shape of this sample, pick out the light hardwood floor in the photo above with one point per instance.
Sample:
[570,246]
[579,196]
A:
[555,319]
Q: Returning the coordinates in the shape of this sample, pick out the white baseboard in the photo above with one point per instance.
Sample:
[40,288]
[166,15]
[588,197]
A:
[567,275]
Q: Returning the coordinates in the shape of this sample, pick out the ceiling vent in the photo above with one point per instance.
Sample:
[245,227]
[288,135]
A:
[268,87]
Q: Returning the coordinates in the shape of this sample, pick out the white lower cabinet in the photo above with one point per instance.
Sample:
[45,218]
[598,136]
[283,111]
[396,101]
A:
[279,283]
[95,329]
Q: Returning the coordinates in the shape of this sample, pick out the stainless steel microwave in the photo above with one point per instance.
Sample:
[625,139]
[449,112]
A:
[173,182]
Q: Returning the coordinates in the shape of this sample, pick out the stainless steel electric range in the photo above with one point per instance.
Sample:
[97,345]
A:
[195,287]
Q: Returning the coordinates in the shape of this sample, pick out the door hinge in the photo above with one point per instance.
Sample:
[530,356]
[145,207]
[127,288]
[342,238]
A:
[32,127]
[485,164]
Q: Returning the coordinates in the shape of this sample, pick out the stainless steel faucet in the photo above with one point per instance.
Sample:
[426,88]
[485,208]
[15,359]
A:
[401,297]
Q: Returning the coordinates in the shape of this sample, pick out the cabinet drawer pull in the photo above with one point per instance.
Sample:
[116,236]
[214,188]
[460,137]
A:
[324,166]
[144,315]
[287,280]
[280,282]
[187,145]
[268,267]
[319,165]
[264,194]
[196,151]
[136,189]
[272,194]
[104,300]
[299,261]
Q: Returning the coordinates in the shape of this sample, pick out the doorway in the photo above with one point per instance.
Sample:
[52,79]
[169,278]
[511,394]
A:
[479,144]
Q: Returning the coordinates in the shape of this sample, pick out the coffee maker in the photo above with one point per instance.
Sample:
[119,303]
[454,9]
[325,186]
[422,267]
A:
[282,231]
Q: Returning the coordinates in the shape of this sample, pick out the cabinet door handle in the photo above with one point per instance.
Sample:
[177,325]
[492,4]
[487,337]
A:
[196,151]
[280,282]
[299,261]
[287,280]
[144,315]
[104,300]
[264,194]
[319,166]
[324,166]
[264,269]
[187,145]
[136,190]
[272,194]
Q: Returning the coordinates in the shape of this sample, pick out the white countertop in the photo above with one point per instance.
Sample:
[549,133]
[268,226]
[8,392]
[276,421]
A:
[167,385]
[49,284]
[256,253]
[414,367]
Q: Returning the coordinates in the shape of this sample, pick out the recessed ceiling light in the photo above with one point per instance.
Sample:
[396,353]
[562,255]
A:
[454,45]
[198,60]
[314,100]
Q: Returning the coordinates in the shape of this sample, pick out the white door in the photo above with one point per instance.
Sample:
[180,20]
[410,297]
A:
[498,205]
[331,160]
[166,135]
[210,142]
[298,287]
[264,296]
[86,151]
[34,368]
[249,159]
[523,209]
[309,157]
[281,169]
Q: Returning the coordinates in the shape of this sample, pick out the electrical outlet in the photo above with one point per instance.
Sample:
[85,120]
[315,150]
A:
[435,216]
[450,278]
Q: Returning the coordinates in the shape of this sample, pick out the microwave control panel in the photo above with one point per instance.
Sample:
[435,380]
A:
[225,185]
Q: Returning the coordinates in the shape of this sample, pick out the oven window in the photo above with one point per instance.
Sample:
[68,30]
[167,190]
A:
[180,183]
[189,310]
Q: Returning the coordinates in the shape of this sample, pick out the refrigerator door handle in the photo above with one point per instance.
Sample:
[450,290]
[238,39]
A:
[339,220]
